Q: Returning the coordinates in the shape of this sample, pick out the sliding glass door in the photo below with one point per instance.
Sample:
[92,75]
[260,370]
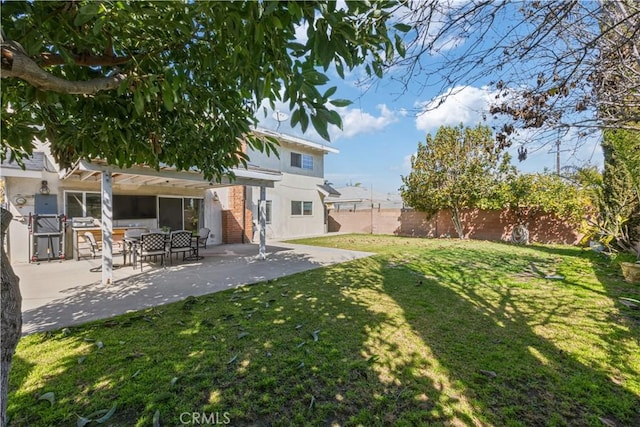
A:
[178,213]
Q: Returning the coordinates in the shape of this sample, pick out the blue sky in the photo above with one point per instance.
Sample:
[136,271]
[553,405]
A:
[383,126]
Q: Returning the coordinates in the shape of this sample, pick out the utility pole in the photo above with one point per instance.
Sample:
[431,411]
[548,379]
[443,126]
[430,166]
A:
[558,157]
[371,199]
[557,151]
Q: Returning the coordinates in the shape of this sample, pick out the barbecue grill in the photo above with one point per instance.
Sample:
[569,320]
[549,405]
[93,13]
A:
[46,235]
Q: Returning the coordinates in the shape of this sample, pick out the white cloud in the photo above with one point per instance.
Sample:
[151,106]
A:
[354,122]
[465,105]
[357,122]
[406,164]
[301,33]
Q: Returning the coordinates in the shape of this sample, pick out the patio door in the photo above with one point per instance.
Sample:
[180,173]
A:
[180,213]
[170,212]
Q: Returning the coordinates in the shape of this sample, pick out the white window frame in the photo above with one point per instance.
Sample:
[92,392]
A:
[302,161]
[268,210]
[305,208]
[84,201]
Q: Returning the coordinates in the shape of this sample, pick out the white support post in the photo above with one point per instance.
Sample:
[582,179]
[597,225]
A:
[262,212]
[107,228]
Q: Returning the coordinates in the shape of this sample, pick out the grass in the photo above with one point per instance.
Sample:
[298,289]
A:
[424,332]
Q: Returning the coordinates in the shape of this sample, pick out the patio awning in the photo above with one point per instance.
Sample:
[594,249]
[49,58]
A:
[90,171]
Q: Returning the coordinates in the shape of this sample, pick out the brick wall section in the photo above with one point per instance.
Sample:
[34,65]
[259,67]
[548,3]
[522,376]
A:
[232,224]
[478,224]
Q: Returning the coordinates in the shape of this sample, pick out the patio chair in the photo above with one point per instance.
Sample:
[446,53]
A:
[151,245]
[94,245]
[180,242]
[203,235]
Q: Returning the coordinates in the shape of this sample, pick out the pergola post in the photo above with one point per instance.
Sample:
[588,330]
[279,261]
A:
[107,227]
[262,213]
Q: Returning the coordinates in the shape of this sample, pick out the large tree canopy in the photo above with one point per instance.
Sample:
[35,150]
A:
[554,64]
[176,83]
[453,170]
[172,82]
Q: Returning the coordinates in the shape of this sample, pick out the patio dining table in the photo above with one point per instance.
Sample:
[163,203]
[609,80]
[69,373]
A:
[131,243]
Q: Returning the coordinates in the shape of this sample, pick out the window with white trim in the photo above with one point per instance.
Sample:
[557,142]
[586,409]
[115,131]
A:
[303,161]
[268,210]
[82,204]
[300,208]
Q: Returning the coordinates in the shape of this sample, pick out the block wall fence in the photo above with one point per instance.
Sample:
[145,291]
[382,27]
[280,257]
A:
[478,224]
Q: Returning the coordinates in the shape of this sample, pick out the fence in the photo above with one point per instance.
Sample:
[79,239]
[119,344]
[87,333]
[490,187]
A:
[477,224]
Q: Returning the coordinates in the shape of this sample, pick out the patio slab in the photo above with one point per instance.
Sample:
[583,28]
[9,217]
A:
[57,294]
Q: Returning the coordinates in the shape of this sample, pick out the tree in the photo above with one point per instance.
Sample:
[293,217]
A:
[171,83]
[528,195]
[454,170]
[616,194]
[550,64]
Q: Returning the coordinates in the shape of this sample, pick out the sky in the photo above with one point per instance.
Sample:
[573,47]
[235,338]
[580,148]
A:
[383,125]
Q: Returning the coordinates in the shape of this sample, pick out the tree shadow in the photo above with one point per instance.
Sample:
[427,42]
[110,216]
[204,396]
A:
[398,339]
[512,351]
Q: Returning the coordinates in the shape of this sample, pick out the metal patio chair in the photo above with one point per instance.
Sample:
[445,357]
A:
[180,242]
[151,245]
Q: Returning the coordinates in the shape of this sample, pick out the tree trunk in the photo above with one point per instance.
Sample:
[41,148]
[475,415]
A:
[457,223]
[11,303]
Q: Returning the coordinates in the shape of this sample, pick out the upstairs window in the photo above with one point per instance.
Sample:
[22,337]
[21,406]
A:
[303,161]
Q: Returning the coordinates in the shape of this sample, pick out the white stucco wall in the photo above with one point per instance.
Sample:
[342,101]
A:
[283,224]
[283,163]
[26,186]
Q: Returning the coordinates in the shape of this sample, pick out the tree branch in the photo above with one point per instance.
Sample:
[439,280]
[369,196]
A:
[49,59]
[15,63]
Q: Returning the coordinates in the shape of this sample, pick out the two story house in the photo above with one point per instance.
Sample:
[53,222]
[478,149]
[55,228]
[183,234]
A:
[146,198]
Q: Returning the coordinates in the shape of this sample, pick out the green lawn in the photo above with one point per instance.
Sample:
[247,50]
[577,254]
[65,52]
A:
[425,332]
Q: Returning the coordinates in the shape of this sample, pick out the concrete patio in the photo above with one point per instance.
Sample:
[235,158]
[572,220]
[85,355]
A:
[57,294]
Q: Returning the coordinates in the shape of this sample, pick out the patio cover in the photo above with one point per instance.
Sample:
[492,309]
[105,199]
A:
[166,176]
[99,171]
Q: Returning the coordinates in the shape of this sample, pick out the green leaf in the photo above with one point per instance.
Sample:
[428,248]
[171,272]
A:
[402,27]
[402,51]
[304,120]
[86,13]
[233,359]
[49,396]
[321,127]
[138,103]
[156,418]
[330,92]
[340,102]
[108,415]
[295,118]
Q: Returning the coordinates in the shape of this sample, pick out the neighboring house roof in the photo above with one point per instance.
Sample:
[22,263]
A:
[328,190]
[294,140]
[363,195]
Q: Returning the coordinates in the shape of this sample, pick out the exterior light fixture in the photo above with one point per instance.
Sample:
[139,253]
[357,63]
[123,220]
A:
[44,188]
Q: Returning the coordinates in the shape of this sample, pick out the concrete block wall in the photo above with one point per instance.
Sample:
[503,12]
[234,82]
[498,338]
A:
[478,224]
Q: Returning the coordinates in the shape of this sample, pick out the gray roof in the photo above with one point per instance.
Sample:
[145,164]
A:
[37,162]
[329,190]
[364,196]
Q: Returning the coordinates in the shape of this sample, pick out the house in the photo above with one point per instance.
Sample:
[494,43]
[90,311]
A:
[147,198]
[295,204]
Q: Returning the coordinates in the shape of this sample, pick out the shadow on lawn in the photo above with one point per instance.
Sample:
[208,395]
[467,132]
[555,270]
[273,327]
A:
[406,339]
[499,340]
